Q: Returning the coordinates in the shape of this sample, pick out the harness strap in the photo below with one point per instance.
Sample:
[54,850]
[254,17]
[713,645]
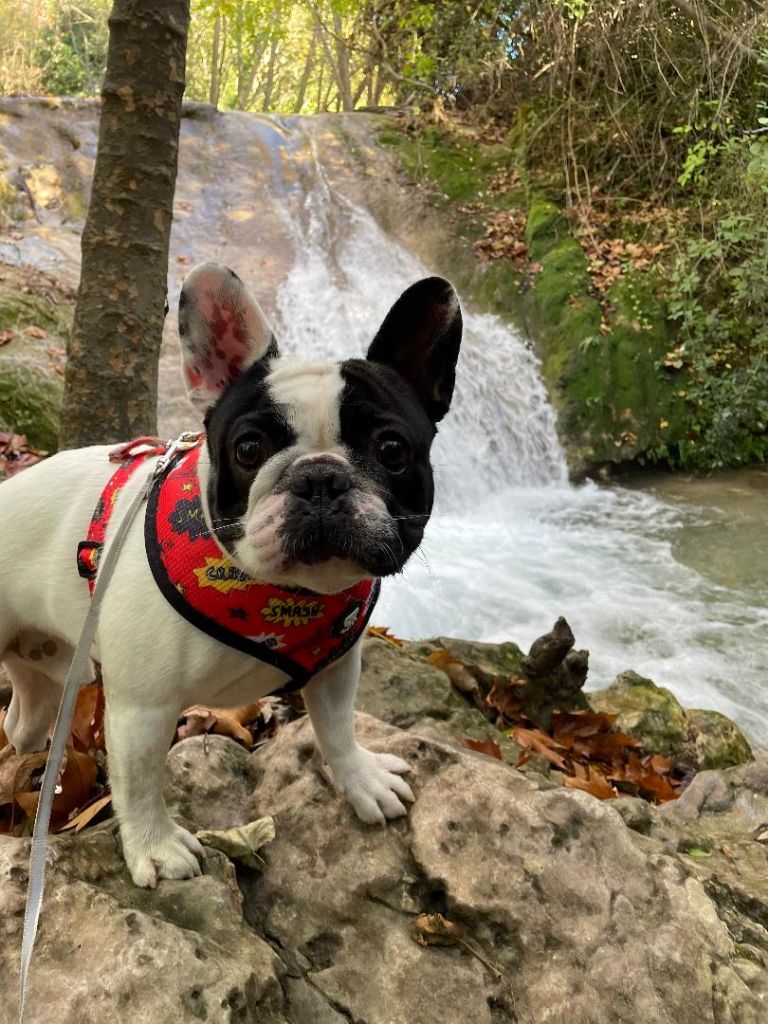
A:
[89,550]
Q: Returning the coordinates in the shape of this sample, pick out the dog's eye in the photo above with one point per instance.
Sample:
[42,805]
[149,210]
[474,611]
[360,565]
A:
[250,453]
[393,452]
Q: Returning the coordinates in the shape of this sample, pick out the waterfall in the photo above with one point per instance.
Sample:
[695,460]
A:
[511,544]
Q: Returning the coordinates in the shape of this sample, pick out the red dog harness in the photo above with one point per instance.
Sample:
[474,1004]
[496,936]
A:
[294,630]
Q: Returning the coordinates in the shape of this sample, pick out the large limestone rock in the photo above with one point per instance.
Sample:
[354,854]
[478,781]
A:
[568,914]
[107,951]
[585,920]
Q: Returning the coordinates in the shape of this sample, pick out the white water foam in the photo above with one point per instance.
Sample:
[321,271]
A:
[511,545]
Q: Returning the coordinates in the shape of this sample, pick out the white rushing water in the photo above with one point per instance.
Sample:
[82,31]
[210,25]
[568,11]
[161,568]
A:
[512,545]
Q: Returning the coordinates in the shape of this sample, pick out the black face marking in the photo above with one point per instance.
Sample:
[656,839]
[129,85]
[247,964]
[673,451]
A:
[322,518]
[246,409]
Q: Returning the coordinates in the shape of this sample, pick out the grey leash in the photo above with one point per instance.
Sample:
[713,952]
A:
[37,856]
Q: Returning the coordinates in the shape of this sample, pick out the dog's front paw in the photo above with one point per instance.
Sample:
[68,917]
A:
[372,784]
[173,854]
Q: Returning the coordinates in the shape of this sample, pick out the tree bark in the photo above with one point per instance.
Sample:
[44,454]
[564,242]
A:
[213,90]
[110,391]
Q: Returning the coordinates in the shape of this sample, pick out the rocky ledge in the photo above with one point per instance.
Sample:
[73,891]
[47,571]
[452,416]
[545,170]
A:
[544,904]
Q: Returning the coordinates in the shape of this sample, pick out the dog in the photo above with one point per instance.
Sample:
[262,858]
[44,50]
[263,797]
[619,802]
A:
[256,564]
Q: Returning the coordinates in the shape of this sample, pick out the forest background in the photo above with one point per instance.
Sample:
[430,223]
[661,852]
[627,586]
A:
[644,121]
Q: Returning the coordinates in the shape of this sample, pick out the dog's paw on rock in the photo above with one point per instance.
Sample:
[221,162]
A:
[174,854]
[372,784]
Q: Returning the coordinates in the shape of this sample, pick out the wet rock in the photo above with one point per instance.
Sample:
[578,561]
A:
[700,739]
[109,951]
[549,886]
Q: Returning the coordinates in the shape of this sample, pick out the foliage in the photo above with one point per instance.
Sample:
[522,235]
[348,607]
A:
[718,297]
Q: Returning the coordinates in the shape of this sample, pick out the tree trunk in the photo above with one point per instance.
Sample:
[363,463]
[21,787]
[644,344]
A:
[110,391]
[269,84]
[213,90]
[306,73]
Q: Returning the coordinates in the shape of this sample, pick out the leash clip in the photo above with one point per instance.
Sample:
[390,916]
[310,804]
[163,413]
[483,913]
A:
[186,440]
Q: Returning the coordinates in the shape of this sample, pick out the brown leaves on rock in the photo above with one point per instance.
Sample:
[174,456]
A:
[486,746]
[249,725]
[16,453]
[82,780]
[82,793]
[583,744]
[504,238]
[455,669]
[598,758]
[616,239]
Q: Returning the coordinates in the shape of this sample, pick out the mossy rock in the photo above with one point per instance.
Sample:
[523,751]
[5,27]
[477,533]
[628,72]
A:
[486,662]
[650,713]
[30,400]
[31,367]
[717,741]
[647,711]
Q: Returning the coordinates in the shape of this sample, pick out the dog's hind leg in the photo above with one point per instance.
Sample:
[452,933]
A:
[33,707]
[37,665]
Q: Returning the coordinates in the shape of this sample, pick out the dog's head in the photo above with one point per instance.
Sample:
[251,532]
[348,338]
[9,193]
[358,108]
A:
[319,472]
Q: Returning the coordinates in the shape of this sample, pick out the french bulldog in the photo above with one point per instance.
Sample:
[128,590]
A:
[312,482]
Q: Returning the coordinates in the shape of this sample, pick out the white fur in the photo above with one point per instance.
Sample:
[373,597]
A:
[154,663]
[309,394]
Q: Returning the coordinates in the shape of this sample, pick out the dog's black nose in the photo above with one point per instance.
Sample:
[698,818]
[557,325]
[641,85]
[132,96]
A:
[320,482]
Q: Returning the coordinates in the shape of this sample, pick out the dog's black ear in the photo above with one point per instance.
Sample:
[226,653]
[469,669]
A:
[420,338]
[222,328]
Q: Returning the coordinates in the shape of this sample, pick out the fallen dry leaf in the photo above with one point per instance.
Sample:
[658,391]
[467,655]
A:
[33,331]
[487,746]
[435,930]
[87,814]
[382,632]
[243,842]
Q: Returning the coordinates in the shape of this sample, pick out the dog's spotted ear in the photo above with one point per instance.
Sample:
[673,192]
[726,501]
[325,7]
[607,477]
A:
[223,331]
[420,339]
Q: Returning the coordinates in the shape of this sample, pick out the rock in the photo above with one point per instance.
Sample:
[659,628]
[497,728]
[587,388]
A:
[401,690]
[31,364]
[486,662]
[636,813]
[398,687]
[715,740]
[700,739]
[208,782]
[109,951]
[585,920]
[708,791]
[550,676]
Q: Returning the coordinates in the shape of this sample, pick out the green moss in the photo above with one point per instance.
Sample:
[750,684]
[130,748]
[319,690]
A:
[30,400]
[9,203]
[701,739]
[545,226]
[646,711]
[31,383]
[600,359]
[459,167]
[718,742]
